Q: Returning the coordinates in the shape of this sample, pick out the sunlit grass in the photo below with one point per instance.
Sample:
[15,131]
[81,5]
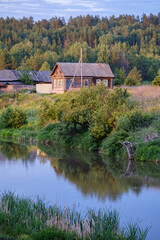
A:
[147,96]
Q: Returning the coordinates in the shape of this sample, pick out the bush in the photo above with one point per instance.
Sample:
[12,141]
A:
[130,81]
[54,133]
[46,112]
[112,144]
[134,121]
[156,81]
[12,118]
[148,152]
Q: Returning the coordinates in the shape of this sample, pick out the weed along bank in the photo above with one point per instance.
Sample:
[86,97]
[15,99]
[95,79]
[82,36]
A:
[73,76]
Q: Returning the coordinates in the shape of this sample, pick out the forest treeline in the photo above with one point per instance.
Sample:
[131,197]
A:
[124,42]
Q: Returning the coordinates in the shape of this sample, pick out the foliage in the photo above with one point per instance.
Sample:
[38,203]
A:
[130,81]
[54,133]
[124,42]
[12,118]
[112,144]
[45,67]
[26,77]
[133,78]
[46,112]
[156,81]
[134,121]
[149,151]
[119,77]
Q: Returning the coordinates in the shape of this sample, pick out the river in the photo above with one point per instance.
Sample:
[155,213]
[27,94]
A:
[87,180]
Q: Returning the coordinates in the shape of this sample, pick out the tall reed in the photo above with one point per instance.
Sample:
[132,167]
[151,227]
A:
[21,216]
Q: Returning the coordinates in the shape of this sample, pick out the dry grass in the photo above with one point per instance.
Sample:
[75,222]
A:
[148,97]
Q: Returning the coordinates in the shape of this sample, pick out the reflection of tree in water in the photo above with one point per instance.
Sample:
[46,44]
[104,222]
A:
[97,175]
[13,151]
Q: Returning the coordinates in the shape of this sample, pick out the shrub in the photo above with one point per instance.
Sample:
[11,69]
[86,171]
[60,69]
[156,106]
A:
[112,144]
[134,121]
[130,81]
[46,112]
[55,133]
[148,152]
[12,118]
[156,81]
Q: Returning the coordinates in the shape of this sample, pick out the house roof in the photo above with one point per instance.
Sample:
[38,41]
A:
[14,75]
[88,69]
[43,76]
[7,75]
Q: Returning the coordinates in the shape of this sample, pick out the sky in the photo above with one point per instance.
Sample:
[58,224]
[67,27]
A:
[46,9]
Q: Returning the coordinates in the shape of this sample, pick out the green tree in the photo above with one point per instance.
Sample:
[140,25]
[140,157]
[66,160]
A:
[26,77]
[133,78]
[156,81]
[151,74]
[130,81]
[45,67]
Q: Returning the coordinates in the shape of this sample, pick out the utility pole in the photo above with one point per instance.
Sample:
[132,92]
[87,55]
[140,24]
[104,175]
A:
[81,70]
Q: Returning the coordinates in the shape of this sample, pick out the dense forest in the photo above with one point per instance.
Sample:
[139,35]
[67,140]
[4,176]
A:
[124,42]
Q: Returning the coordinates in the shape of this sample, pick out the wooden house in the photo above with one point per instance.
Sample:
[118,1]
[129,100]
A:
[73,76]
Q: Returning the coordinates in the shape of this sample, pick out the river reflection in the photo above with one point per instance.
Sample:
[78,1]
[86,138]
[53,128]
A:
[92,174]
[93,180]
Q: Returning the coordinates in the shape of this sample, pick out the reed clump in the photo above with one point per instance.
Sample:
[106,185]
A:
[26,218]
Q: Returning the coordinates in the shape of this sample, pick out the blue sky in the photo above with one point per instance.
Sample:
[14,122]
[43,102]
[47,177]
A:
[46,9]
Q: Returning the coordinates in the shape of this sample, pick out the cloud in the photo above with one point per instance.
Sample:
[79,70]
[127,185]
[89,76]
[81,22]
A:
[62,2]
[14,1]
[31,4]
[84,3]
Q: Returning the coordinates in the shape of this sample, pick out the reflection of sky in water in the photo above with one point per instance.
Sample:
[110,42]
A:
[37,178]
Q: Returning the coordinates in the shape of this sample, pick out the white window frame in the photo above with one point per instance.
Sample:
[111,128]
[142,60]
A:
[98,81]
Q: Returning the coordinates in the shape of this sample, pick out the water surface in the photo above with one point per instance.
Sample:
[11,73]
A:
[85,179]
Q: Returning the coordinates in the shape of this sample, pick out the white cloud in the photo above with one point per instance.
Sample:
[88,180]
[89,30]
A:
[31,4]
[63,2]
[84,3]
[14,1]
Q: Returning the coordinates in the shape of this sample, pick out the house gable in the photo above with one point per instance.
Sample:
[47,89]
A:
[57,72]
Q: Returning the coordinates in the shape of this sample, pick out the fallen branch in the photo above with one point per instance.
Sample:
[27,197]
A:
[131,150]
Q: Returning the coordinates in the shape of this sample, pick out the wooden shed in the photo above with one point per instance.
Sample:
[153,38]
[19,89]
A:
[44,84]
[10,81]
[73,76]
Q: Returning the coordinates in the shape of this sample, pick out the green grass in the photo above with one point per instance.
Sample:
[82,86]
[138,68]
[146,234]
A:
[29,219]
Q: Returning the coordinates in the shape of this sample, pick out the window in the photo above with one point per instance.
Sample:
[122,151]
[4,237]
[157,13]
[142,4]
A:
[98,81]
[61,82]
[86,82]
[105,81]
[58,83]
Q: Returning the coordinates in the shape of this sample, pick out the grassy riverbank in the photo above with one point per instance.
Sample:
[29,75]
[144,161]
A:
[30,219]
[92,119]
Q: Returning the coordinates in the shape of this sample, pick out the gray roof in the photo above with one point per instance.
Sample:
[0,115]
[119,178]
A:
[14,75]
[88,69]
[43,76]
[7,76]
